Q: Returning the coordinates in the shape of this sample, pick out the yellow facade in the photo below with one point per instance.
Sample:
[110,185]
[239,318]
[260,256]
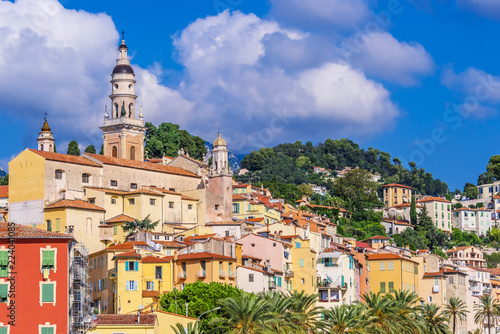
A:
[244,208]
[129,329]
[204,267]
[389,273]
[303,267]
[395,194]
[198,230]
[432,288]
[29,183]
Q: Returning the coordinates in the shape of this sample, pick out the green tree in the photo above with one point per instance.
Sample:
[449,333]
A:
[493,166]
[345,319]
[145,225]
[101,151]
[470,191]
[413,211]
[73,148]
[189,329]
[486,311]
[4,181]
[454,309]
[306,189]
[434,320]
[424,222]
[90,149]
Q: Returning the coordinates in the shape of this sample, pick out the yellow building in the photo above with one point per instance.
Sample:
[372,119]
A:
[205,267]
[389,272]
[140,280]
[303,266]
[395,194]
[126,323]
[432,288]
[249,208]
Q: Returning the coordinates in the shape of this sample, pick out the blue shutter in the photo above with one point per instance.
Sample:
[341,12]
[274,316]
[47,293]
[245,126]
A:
[126,265]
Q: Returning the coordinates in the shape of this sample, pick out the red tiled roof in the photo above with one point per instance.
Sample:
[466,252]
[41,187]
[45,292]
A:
[250,257]
[120,219]
[145,191]
[386,256]
[255,220]
[142,165]
[65,158]
[155,259]
[406,205]
[150,294]
[494,271]
[187,198]
[4,191]
[227,222]
[128,245]
[74,203]
[396,185]
[360,244]
[240,185]
[189,158]
[239,197]
[171,244]
[456,249]
[109,191]
[163,190]
[126,319]
[129,254]
[434,274]
[203,255]
[377,237]
[433,199]
[200,237]
[27,232]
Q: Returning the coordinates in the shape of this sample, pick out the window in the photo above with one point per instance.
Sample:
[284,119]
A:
[236,207]
[391,287]
[382,266]
[113,183]
[92,200]
[390,266]
[131,265]
[131,285]
[227,233]
[48,259]
[382,287]
[170,205]
[190,206]
[49,225]
[302,281]
[4,288]
[113,200]
[298,245]
[158,272]
[131,201]
[59,174]
[152,201]
[172,189]
[85,178]
[47,330]
[216,207]
[114,150]
[430,299]
[133,186]
[115,229]
[47,292]
[132,153]
[150,285]
[301,263]
[250,277]
[4,263]
[436,281]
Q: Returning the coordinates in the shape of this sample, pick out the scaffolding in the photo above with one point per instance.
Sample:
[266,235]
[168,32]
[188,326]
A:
[80,313]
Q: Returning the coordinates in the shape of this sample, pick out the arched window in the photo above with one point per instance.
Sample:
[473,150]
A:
[132,153]
[41,147]
[114,152]
[59,174]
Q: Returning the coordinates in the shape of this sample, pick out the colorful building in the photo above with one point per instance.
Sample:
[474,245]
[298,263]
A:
[395,194]
[439,210]
[389,273]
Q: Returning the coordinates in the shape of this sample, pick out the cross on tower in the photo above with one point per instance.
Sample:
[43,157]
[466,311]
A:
[45,115]
[123,34]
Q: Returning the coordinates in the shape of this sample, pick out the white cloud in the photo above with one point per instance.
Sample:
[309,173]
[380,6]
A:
[474,83]
[488,8]
[385,57]
[318,13]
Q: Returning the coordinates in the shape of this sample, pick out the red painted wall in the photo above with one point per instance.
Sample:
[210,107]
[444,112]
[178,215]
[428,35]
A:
[29,313]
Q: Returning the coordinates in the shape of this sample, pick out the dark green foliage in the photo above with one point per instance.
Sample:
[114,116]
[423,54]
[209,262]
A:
[90,149]
[460,238]
[493,167]
[168,138]
[101,152]
[4,181]
[413,212]
[55,149]
[293,164]
[470,191]
[73,148]
[201,297]
[424,222]
[411,238]
[493,260]
[485,178]
[363,229]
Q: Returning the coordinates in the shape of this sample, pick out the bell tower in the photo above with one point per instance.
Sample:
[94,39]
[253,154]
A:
[220,180]
[46,140]
[123,133]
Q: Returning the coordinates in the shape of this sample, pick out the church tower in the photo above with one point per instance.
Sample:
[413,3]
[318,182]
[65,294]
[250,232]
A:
[123,133]
[221,179]
[46,140]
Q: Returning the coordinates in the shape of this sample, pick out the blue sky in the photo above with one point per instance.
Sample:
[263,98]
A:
[419,79]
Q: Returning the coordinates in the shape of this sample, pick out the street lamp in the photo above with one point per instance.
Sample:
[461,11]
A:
[215,309]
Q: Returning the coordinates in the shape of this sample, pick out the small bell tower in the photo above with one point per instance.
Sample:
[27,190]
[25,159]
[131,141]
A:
[46,139]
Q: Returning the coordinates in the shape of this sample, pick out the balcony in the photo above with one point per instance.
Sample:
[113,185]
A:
[289,273]
[232,274]
[272,285]
[201,274]
[222,273]
[112,276]
[182,275]
[435,289]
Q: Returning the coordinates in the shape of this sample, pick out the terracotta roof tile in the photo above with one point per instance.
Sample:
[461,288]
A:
[142,165]
[377,237]
[145,191]
[129,254]
[27,232]
[150,294]
[4,191]
[155,259]
[128,245]
[200,237]
[120,219]
[65,158]
[240,185]
[187,198]
[238,197]
[74,203]
[396,185]
[108,191]
[126,319]
[165,191]
[203,255]
[433,199]
[387,256]
[227,222]
[170,244]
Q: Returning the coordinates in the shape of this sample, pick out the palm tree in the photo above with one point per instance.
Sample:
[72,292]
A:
[381,312]
[244,314]
[456,308]
[190,329]
[345,319]
[487,311]
[145,225]
[406,311]
[306,313]
[284,321]
[434,321]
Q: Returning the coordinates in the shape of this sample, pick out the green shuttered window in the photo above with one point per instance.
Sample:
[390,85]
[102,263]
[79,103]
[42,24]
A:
[4,263]
[47,330]
[3,293]
[48,259]
[48,293]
